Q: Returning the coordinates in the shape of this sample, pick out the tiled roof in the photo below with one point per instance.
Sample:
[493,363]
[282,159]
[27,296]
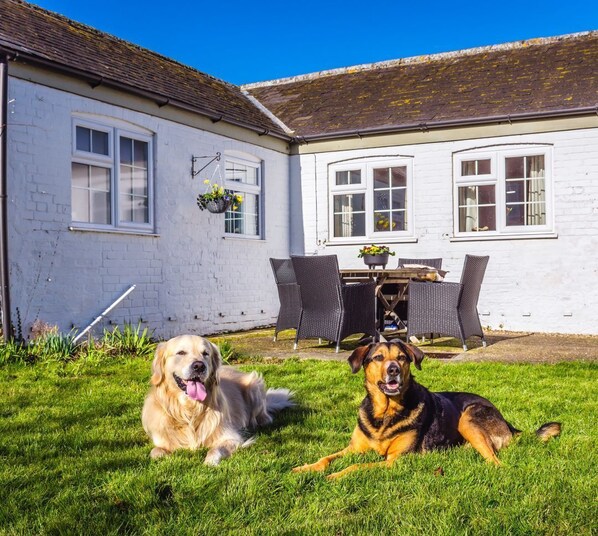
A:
[542,77]
[43,37]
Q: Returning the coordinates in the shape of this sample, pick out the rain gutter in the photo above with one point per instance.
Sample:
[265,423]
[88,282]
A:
[424,126]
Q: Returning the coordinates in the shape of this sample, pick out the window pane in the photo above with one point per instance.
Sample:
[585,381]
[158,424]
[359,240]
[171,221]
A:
[399,221]
[126,151]
[349,224]
[348,177]
[349,202]
[515,215]
[244,220]
[381,178]
[486,195]
[139,182]
[477,209]
[484,167]
[514,168]
[399,199]
[100,207]
[80,205]
[90,194]
[535,166]
[99,142]
[349,215]
[382,200]
[515,191]
[140,153]
[475,167]
[398,176]
[99,178]
[83,139]
[80,175]
[382,221]
[241,173]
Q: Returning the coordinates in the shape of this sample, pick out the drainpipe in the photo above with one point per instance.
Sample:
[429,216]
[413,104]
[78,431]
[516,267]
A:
[4,287]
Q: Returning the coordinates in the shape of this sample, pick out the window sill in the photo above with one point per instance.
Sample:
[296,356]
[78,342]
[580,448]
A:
[243,238]
[377,240]
[136,232]
[518,236]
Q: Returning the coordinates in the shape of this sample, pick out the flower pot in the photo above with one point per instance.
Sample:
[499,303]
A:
[217,206]
[376,260]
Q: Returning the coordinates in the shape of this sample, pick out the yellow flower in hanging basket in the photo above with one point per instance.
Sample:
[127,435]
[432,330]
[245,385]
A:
[218,199]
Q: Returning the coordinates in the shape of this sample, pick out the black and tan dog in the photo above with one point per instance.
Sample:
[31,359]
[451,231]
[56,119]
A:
[399,416]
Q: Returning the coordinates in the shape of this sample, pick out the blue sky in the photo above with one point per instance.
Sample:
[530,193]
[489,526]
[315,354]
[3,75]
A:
[243,42]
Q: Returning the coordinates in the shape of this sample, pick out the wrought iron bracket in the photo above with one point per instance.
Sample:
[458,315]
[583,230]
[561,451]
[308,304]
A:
[194,171]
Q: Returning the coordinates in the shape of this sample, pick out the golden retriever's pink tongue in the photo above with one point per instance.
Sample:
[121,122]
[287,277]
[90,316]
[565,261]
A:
[196,391]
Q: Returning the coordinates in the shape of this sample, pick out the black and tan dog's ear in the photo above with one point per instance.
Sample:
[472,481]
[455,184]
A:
[357,357]
[415,355]
[158,364]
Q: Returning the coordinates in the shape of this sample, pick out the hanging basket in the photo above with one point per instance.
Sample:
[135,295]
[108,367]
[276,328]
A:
[217,206]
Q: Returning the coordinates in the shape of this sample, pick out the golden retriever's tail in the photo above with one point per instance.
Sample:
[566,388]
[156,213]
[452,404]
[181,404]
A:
[278,399]
[548,430]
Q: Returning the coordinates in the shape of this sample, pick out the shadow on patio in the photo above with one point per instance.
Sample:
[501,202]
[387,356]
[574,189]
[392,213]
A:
[502,346]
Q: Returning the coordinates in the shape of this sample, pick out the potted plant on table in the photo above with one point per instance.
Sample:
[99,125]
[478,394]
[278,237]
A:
[375,255]
[217,199]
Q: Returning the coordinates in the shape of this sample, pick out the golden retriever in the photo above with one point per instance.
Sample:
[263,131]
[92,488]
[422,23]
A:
[197,402]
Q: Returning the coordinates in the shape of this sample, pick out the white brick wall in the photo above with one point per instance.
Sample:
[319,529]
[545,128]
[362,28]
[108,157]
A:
[189,273]
[544,285]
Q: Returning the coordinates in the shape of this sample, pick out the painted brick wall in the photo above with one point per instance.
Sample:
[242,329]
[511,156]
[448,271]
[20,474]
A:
[544,285]
[190,277]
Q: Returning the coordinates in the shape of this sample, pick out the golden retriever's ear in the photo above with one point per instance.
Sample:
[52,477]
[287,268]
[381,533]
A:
[158,364]
[357,357]
[414,354]
[215,355]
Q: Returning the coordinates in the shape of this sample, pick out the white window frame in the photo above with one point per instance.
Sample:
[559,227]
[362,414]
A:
[243,188]
[112,162]
[497,178]
[367,188]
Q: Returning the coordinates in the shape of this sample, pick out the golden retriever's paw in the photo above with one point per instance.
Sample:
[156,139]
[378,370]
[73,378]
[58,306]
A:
[158,452]
[214,457]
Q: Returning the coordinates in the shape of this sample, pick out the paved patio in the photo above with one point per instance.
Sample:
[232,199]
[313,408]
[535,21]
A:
[502,346]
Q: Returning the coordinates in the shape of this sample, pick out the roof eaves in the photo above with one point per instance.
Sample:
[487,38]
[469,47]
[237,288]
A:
[434,125]
[17,53]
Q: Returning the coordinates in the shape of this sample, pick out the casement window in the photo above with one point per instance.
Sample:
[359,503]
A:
[370,200]
[111,178]
[502,192]
[244,177]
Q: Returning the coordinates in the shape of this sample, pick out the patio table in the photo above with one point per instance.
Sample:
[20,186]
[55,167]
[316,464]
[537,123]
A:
[399,277]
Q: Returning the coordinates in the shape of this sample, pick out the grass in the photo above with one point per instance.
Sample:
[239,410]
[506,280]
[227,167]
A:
[75,459]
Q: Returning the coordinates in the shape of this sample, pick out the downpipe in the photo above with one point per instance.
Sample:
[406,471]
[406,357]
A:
[4,280]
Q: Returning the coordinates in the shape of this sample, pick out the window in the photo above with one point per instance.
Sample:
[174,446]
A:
[504,192]
[370,199]
[111,178]
[244,178]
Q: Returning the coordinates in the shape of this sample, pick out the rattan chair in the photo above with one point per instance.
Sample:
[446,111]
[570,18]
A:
[331,310]
[288,295]
[391,290]
[448,308]
[434,263]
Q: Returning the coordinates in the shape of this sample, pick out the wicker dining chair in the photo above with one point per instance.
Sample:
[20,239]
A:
[448,308]
[434,263]
[288,295]
[331,310]
[392,289]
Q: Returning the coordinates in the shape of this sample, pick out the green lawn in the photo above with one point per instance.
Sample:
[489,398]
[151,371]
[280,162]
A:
[75,460]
